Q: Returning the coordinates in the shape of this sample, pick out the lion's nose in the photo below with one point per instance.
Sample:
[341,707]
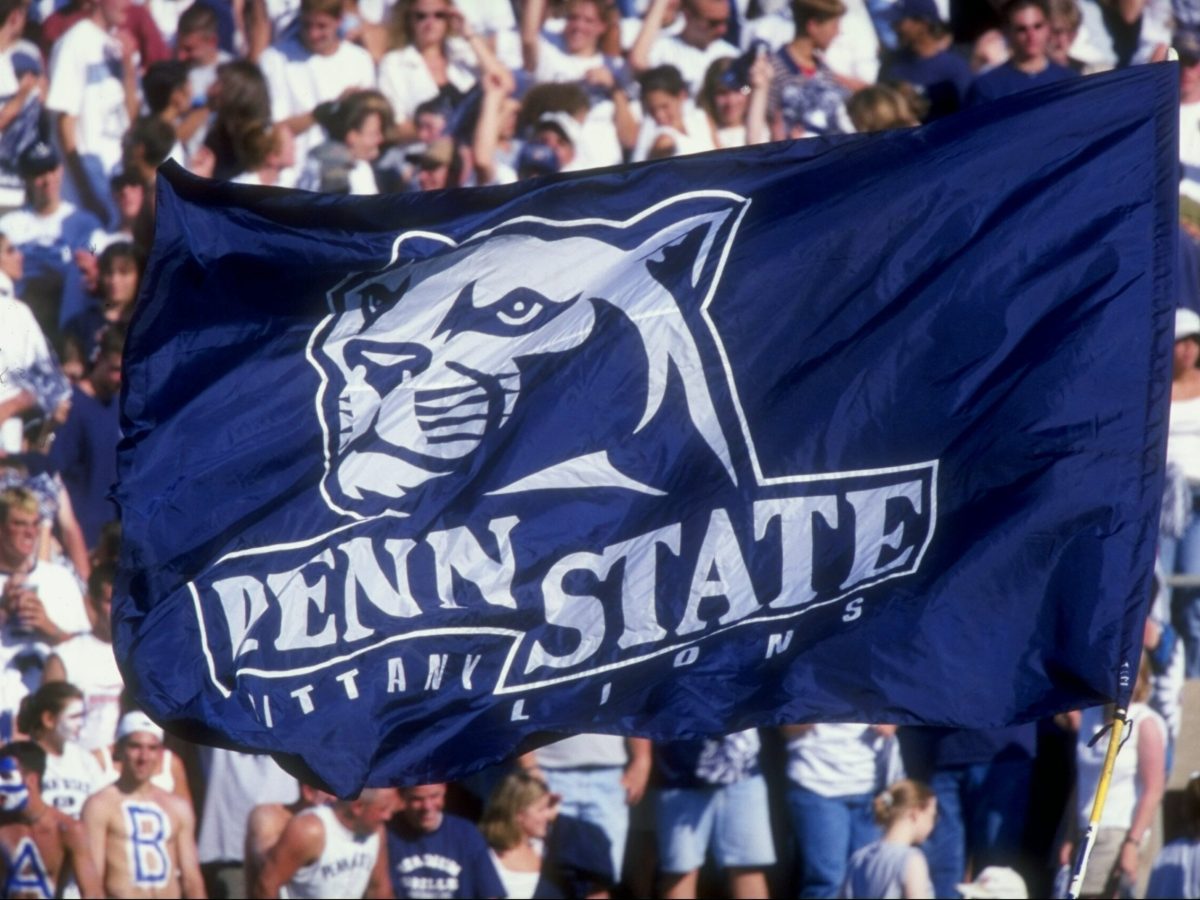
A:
[386,364]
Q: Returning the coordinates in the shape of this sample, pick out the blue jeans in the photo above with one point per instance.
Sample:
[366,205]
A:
[595,795]
[1181,556]
[827,830]
[981,817]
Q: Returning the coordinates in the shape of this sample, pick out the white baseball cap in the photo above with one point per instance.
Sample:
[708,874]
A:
[1187,324]
[137,721]
[995,883]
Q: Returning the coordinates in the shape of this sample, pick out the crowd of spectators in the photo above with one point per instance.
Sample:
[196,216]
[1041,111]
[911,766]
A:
[370,96]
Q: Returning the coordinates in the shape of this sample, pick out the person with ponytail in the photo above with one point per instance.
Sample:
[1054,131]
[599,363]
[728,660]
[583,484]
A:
[894,866]
[53,719]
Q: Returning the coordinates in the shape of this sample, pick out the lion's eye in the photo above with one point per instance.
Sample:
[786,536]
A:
[518,311]
[375,300]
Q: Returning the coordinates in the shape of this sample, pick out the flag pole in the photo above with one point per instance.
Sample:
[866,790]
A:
[1089,839]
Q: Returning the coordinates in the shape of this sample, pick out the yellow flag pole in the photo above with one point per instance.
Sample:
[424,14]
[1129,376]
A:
[1115,734]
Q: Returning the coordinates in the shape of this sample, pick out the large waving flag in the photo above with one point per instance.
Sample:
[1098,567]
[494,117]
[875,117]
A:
[859,429]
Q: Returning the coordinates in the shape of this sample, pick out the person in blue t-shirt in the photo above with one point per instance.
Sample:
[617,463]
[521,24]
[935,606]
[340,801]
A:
[1027,29]
[925,59]
[433,854]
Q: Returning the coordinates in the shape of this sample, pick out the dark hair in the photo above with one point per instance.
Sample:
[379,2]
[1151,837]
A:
[8,7]
[1013,7]
[662,78]
[805,11]
[120,250]
[156,137]
[349,113]
[103,574]
[112,340]
[1191,804]
[29,756]
[49,698]
[161,80]
[199,17]
[565,96]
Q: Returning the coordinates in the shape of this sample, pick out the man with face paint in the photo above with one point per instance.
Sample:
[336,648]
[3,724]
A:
[142,837]
[41,850]
[53,717]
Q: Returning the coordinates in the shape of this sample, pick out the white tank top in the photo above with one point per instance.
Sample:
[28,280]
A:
[91,667]
[517,885]
[1123,789]
[343,869]
[70,779]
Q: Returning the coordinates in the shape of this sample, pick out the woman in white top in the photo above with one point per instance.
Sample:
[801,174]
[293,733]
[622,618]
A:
[1179,552]
[514,824]
[53,719]
[1134,792]
[735,101]
[434,52]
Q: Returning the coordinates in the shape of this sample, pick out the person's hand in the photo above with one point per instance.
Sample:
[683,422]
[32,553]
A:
[760,73]
[635,778]
[1066,853]
[1127,861]
[31,614]
[601,77]
[61,412]
[886,731]
[27,85]
[493,83]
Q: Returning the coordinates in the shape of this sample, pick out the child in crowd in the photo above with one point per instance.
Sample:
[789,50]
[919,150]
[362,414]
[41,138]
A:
[894,866]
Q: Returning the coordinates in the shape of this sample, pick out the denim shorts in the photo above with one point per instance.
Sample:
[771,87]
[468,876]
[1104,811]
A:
[732,820]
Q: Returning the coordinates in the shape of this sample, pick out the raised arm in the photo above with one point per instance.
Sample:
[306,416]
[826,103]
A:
[639,53]
[532,15]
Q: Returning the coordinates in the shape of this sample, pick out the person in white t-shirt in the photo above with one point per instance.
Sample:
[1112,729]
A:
[356,126]
[93,88]
[87,661]
[1187,46]
[434,52]
[53,717]
[692,51]
[315,67]
[40,602]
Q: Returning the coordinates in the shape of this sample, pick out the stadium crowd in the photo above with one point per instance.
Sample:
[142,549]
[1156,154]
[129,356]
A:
[370,96]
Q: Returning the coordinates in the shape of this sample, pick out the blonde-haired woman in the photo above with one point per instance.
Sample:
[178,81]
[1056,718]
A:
[894,866]
[435,53]
[515,824]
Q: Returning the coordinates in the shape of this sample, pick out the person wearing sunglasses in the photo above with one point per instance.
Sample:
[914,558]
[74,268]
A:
[693,50]
[435,53]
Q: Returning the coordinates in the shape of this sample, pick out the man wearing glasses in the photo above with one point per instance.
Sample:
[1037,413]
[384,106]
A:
[702,40]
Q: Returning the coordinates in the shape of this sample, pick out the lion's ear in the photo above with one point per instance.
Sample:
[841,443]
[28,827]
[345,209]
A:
[710,223]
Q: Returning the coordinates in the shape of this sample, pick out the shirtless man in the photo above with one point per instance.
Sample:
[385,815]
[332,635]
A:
[41,849]
[267,821]
[337,850]
[142,837]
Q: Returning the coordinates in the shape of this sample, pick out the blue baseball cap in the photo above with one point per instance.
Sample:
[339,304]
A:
[537,158]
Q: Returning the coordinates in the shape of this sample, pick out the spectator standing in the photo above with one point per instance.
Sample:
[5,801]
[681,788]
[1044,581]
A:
[315,67]
[1187,46]
[736,102]
[332,851]
[21,90]
[264,825]
[713,796]
[240,102]
[93,88]
[85,450]
[1027,30]
[50,232]
[925,58]
[142,837]
[40,602]
[833,775]
[894,865]
[807,97]
[1180,553]
[53,718]
[431,853]
[87,661]
[599,777]
[43,853]
[1135,792]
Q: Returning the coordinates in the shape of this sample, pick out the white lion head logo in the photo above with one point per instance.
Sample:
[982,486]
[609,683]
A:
[422,360]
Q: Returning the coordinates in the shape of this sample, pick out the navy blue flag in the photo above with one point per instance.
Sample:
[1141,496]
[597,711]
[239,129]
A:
[868,429]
